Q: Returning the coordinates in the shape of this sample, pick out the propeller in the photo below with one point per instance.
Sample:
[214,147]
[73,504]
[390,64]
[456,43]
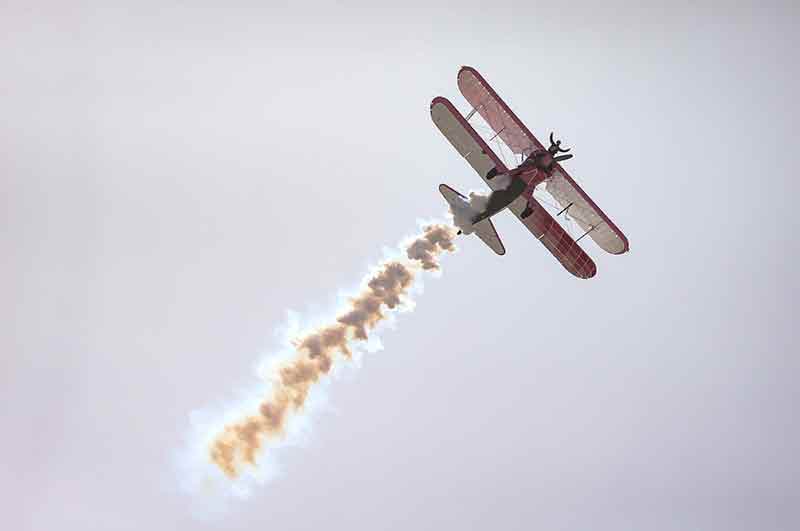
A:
[555,146]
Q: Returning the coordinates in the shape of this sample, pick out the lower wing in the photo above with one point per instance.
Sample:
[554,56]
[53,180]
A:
[554,238]
[585,212]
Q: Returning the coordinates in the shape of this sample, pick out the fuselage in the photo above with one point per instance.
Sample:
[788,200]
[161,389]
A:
[523,179]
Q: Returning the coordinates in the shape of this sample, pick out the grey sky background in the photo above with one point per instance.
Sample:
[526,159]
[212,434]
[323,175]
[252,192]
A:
[174,179]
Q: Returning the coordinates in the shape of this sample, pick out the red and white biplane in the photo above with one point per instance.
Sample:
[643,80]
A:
[514,188]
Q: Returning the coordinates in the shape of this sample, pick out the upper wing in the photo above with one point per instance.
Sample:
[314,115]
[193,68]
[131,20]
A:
[555,238]
[465,139]
[520,140]
[494,110]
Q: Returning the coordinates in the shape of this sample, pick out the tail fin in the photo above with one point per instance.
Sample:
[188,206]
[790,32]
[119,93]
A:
[462,216]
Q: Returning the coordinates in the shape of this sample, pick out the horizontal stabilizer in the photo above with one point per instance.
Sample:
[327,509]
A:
[487,233]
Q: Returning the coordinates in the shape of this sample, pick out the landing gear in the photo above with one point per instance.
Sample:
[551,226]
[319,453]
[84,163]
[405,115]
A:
[491,175]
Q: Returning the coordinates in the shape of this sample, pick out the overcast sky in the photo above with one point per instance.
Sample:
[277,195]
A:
[175,179]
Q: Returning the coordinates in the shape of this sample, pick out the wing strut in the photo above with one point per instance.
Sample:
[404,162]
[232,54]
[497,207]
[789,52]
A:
[473,111]
[588,231]
[497,134]
[564,210]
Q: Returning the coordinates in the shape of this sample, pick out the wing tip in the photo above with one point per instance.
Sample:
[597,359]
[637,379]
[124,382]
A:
[584,275]
[466,68]
[625,241]
[437,100]
[474,72]
[626,246]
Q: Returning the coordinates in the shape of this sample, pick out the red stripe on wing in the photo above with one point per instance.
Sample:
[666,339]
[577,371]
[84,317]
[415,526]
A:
[558,241]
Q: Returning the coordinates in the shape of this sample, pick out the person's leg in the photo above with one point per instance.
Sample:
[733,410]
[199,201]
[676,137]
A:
[527,212]
[528,194]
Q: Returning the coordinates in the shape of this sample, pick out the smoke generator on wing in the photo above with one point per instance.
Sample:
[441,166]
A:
[235,448]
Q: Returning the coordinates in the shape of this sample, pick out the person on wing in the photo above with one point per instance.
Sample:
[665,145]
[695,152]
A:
[544,159]
[541,159]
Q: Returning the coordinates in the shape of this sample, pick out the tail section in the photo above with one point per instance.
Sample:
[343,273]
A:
[464,213]
[487,233]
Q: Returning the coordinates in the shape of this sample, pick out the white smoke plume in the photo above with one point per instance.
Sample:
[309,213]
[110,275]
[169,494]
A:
[237,446]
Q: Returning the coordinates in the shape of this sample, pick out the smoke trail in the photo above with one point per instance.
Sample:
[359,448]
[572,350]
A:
[241,443]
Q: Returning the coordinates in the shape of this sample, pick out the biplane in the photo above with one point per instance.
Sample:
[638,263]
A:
[513,188]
